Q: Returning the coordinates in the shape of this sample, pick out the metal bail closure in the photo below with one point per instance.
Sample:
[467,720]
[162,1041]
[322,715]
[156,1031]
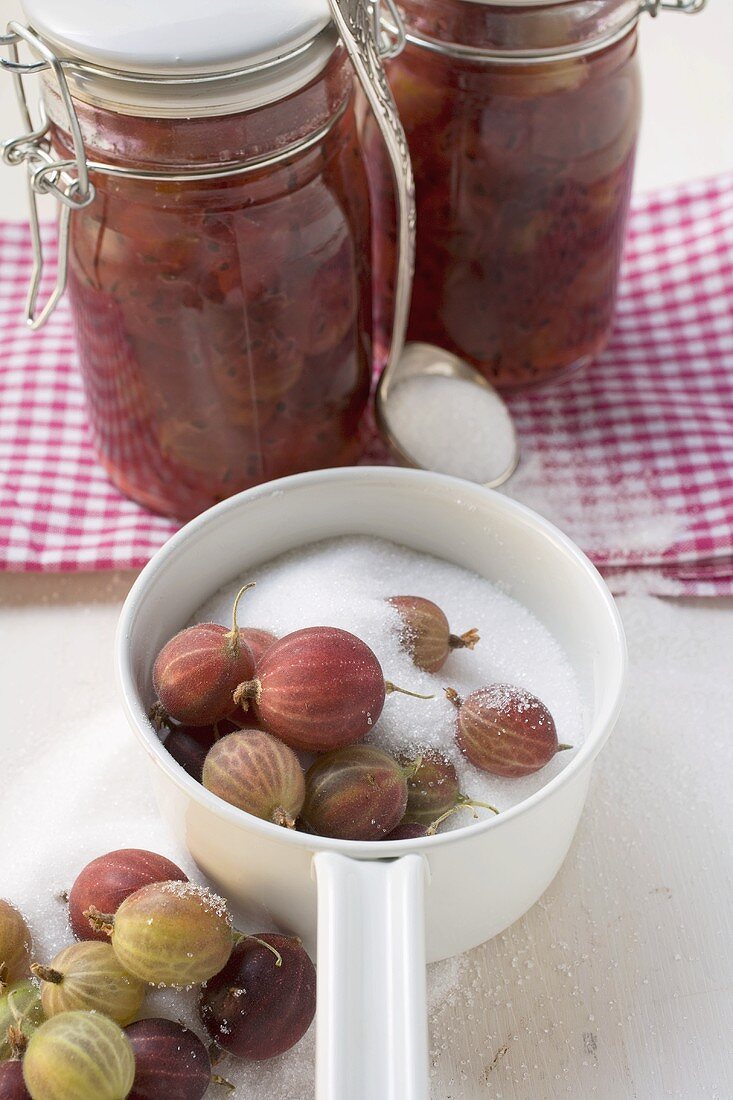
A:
[67,180]
[393,37]
[683,7]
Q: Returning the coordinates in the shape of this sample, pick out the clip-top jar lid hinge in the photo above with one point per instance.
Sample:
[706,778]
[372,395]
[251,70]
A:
[67,180]
[683,7]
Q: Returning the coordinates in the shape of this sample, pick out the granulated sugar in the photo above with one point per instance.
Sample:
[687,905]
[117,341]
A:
[626,525]
[346,582]
[453,426]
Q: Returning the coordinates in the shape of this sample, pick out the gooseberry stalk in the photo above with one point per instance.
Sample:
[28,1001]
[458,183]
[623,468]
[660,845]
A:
[463,803]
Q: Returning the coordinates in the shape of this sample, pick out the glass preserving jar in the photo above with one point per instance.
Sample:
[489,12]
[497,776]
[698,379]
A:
[218,266]
[522,120]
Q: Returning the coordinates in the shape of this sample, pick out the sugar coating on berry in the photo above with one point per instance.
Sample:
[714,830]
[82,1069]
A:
[211,902]
[506,697]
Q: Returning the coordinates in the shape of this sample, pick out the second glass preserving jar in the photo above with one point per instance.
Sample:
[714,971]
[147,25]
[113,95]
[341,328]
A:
[220,279]
[522,121]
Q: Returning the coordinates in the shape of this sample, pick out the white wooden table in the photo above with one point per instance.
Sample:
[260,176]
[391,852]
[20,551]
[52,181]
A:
[619,983]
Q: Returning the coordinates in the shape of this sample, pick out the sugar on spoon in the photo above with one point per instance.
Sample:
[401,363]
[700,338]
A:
[433,409]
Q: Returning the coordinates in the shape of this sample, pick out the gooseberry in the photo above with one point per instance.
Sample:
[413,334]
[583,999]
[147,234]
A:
[79,1056]
[505,730]
[12,1085]
[426,634]
[196,672]
[20,1014]
[15,945]
[318,689]
[108,880]
[258,1007]
[258,640]
[88,976]
[408,830]
[188,745]
[170,933]
[251,769]
[433,791]
[171,1062]
[356,793]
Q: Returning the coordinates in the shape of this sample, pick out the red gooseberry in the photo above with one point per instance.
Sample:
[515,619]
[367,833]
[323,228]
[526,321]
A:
[505,730]
[108,880]
[196,672]
[318,689]
[426,634]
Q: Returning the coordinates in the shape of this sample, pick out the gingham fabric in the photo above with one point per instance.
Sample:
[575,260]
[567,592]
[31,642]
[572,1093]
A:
[633,458]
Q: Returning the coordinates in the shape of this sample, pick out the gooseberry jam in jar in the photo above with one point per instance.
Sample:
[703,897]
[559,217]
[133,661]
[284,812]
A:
[220,280]
[522,122]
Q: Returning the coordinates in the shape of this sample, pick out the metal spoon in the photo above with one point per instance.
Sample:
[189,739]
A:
[358,23]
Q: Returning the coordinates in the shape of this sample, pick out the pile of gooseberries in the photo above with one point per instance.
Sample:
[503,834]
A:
[241,707]
[75,1028]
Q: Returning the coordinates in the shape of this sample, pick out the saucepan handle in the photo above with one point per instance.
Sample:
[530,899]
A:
[371,1038]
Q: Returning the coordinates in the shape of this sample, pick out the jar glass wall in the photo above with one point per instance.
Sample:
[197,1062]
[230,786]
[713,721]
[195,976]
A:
[224,325]
[523,173]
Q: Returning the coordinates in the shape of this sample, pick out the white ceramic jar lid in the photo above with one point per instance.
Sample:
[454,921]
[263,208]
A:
[148,54]
[157,36]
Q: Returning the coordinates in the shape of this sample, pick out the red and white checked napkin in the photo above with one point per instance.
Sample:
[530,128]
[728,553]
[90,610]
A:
[633,458]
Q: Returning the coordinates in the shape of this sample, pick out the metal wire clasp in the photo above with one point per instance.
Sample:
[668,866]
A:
[393,36]
[67,180]
[684,7]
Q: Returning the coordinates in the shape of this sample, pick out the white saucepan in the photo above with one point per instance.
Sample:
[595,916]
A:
[377,911]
